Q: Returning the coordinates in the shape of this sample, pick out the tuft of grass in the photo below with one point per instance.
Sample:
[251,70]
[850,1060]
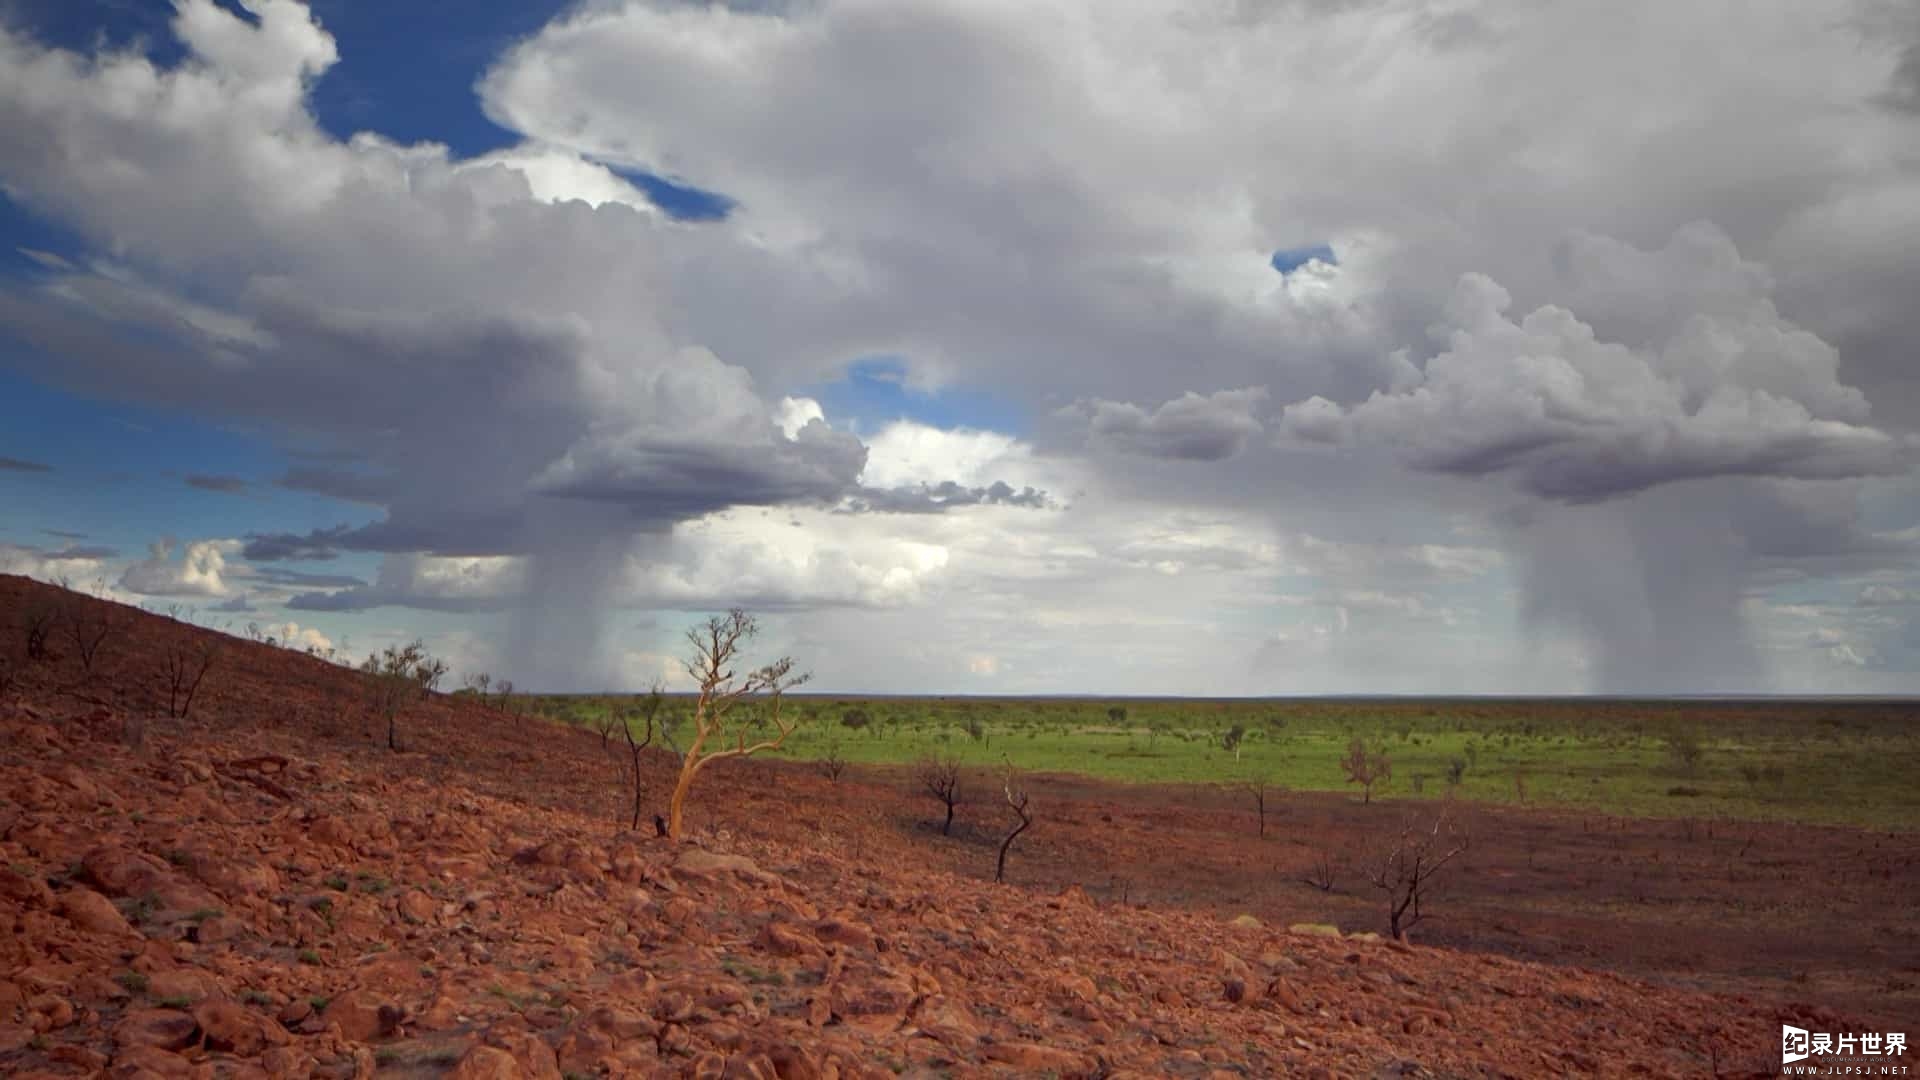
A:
[308,956]
[739,969]
[177,1002]
[132,981]
[139,910]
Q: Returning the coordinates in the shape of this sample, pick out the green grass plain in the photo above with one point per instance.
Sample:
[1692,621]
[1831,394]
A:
[1840,762]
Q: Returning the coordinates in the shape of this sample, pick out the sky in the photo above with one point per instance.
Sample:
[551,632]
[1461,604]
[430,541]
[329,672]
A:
[980,346]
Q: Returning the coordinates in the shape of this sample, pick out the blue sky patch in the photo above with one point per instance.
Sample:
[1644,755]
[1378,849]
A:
[1287,260]
[875,393]
[122,474]
[21,231]
[680,201]
[406,71]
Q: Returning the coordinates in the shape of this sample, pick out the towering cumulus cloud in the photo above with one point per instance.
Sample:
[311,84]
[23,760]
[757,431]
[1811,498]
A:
[498,361]
[1390,344]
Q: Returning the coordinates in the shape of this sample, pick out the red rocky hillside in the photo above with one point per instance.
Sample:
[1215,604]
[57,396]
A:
[264,890]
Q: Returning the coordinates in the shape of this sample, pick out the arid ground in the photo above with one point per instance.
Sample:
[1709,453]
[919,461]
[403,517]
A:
[263,889]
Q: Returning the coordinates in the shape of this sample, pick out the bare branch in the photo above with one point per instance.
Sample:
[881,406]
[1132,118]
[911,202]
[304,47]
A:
[1018,802]
[716,648]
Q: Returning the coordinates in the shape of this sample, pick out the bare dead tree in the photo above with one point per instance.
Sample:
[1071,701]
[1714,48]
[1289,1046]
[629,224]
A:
[397,675]
[1018,802]
[90,625]
[717,646]
[940,778]
[647,711]
[1320,876]
[1257,789]
[833,764]
[38,619]
[479,682]
[1418,854]
[505,686]
[608,722]
[187,664]
[1365,769]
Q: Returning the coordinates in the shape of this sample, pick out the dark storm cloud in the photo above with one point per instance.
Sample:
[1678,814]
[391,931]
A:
[946,495]
[226,485]
[1904,91]
[275,575]
[1191,427]
[83,551]
[459,586]
[318,544]
[340,484]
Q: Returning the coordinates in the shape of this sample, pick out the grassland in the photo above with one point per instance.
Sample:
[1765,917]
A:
[1825,762]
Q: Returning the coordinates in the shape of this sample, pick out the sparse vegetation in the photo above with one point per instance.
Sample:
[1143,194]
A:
[1021,805]
[646,711]
[1320,876]
[1231,739]
[477,684]
[1365,769]
[186,665]
[1257,789]
[939,776]
[39,616]
[609,722]
[1417,855]
[832,765]
[1602,755]
[1684,751]
[716,648]
[90,625]
[398,675]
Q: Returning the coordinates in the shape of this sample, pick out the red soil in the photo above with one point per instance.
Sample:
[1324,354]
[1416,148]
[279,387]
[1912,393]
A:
[264,890]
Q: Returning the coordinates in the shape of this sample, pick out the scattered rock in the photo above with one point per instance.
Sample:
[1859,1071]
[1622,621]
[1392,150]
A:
[159,1029]
[93,913]
[364,1015]
[486,1063]
[232,1029]
[711,866]
[1033,1058]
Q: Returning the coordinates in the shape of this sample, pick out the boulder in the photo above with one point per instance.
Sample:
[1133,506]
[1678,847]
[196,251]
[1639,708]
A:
[93,913]
[160,1029]
[235,1029]
[364,1015]
[704,865]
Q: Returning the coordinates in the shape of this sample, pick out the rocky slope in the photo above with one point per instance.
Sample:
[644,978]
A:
[262,891]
